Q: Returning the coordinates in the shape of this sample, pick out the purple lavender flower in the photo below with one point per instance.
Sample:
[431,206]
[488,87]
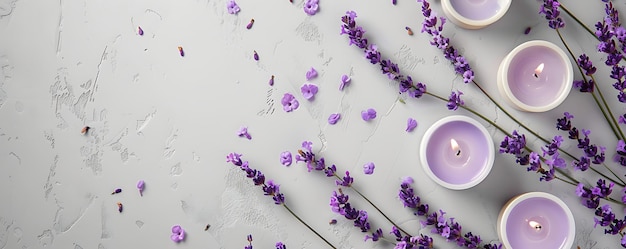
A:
[368,168]
[232,7]
[243,132]
[551,9]
[311,7]
[178,234]
[410,124]
[309,90]
[141,185]
[290,103]
[345,80]
[346,181]
[286,158]
[280,245]
[334,118]
[455,100]
[249,246]
[368,114]
[269,188]
[312,73]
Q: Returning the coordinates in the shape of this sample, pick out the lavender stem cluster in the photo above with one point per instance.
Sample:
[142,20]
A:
[515,144]
[592,153]
[550,9]
[446,227]
[585,85]
[608,31]
[433,26]
[269,187]
[339,203]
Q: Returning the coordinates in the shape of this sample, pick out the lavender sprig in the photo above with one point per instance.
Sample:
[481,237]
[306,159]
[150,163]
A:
[447,228]
[269,189]
[339,203]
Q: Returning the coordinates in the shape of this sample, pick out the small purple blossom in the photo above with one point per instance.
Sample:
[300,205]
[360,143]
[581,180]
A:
[334,118]
[368,168]
[368,114]
[312,73]
[311,7]
[290,103]
[141,185]
[410,124]
[232,7]
[455,100]
[243,132]
[178,234]
[309,90]
[280,245]
[286,158]
[345,80]
[551,9]
[346,181]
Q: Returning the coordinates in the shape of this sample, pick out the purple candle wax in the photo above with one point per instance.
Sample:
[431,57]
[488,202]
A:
[530,87]
[538,222]
[476,9]
[458,151]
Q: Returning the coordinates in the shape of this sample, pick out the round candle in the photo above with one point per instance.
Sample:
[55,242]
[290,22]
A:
[536,220]
[536,76]
[457,152]
[474,14]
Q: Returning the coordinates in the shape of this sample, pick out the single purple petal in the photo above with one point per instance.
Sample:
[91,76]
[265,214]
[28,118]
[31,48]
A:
[333,118]
[345,80]
[286,158]
[368,114]
[411,124]
[311,7]
[176,229]
[309,90]
[289,102]
[368,168]
[141,185]
[243,132]
[232,7]
[312,73]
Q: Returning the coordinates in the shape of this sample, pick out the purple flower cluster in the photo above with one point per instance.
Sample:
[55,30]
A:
[620,157]
[551,9]
[307,156]
[455,100]
[269,188]
[585,85]
[606,30]
[592,153]
[355,33]
[515,145]
[604,215]
[435,30]
[447,228]
[339,204]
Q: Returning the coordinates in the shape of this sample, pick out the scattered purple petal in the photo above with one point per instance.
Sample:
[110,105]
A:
[368,114]
[333,118]
[139,31]
[368,168]
[178,234]
[243,132]
[286,158]
[232,7]
[312,73]
[311,7]
[249,26]
[410,124]
[141,185]
[345,80]
[290,103]
[309,90]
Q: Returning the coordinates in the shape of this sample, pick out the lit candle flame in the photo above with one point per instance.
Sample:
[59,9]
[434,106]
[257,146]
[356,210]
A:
[455,146]
[538,70]
[535,225]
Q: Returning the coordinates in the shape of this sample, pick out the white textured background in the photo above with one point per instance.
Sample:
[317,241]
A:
[171,120]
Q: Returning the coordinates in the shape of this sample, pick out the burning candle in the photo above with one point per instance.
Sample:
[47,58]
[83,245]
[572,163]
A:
[535,77]
[536,220]
[474,14]
[457,152]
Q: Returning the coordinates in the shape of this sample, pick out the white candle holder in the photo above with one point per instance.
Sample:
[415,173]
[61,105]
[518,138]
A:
[476,152]
[553,215]
[474,18]
[505,70]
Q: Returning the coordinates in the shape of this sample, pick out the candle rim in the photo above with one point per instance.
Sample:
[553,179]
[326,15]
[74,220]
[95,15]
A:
[464,22]
[512,203]
[503,73]
[490,148]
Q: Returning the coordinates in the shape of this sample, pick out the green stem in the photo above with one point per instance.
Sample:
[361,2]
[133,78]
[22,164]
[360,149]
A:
[608,108]
[309,227]
[579,21]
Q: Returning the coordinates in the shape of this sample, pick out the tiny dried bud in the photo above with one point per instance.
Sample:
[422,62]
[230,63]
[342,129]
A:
[85,130]
[394,2]
[117,191]
[291,1]
[332,222]
[527,31]
[249,26]
[139,31]
[249,237]
[181,51]
[207,227]
[301,153]
[408,30]
[120,207]
[256,56]
[272,81]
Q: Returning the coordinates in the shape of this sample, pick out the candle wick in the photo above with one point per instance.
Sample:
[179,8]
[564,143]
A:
[536,75]
[458,152]
[538,227]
